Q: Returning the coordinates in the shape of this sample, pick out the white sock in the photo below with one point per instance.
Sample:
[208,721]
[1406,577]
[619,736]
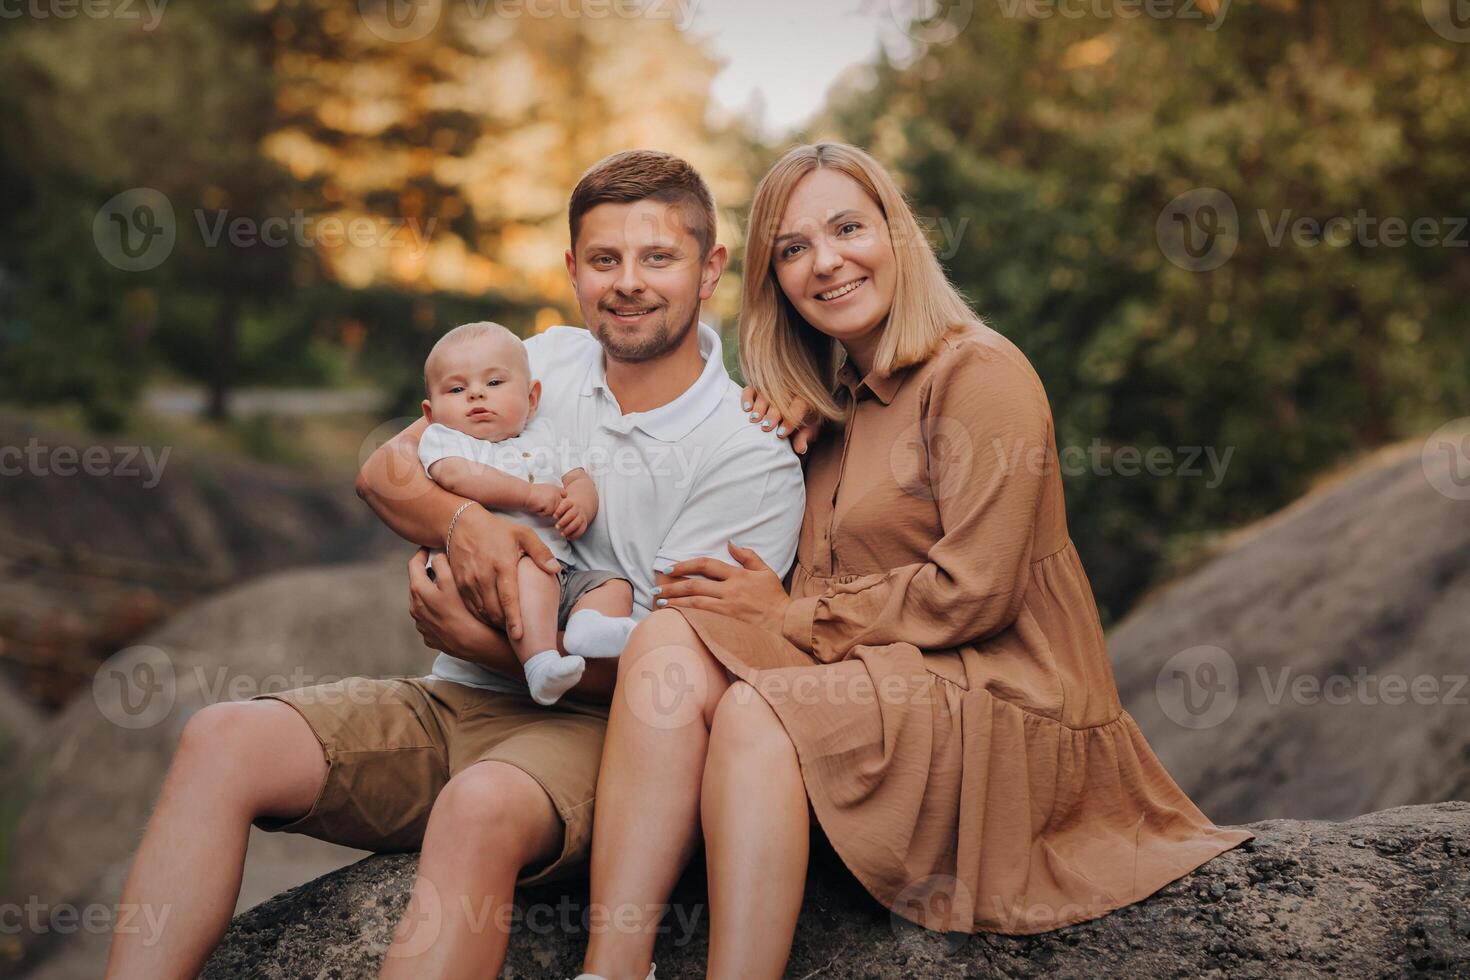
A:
[549,675]
[592,634]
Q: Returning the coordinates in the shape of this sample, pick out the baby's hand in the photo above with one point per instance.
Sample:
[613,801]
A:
[543,499]
[571,519]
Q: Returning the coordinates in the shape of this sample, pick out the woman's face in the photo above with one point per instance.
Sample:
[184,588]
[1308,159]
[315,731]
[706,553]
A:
[834,260]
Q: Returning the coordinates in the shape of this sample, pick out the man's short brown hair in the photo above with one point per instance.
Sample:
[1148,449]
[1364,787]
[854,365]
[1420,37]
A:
[642,175]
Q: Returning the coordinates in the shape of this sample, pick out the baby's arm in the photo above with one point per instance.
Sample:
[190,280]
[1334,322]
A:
[579,508]
[494,488]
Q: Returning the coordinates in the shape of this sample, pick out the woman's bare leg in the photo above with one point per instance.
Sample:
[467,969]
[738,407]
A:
[754,813]
[235,761]
[648,787]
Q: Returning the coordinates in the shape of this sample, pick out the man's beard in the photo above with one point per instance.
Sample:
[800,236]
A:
[649,348]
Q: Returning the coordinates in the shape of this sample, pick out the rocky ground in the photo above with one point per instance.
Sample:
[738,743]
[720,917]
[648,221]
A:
[1386,894]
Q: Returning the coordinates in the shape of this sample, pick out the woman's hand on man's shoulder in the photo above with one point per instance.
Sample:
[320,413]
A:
[801,425]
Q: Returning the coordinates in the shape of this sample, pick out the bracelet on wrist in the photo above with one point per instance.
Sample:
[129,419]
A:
[449,533]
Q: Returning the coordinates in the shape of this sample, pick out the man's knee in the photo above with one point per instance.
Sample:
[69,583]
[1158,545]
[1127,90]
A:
[746,723]
[261,753]
[495,812]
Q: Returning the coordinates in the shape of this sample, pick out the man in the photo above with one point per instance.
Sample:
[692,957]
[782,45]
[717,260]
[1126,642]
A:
[492,787]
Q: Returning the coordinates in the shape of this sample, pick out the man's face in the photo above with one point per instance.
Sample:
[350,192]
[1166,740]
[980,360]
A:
[640,276]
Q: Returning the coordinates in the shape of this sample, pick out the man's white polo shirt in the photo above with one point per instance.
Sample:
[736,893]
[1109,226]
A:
[673,483]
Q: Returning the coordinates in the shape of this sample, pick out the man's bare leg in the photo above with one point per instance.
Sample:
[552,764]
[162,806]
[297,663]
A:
[489,822]
[235,761]
[648,788]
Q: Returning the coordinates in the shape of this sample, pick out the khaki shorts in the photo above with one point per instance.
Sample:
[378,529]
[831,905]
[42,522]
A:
[391,746]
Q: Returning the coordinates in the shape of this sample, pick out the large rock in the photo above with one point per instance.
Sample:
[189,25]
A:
[100,542]
[1383,894]
[90,779]
[1318,668]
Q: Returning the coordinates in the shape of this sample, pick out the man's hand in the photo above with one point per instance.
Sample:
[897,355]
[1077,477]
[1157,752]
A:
[485,550]
[442,618]
[801,425]
[544,499]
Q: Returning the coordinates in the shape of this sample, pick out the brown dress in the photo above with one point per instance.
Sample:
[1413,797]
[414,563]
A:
[942,671]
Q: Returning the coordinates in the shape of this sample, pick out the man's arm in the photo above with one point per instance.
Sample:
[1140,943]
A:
[446,624]
[485,548]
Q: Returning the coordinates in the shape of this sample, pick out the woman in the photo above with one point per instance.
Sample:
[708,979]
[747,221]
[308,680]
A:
[936,685]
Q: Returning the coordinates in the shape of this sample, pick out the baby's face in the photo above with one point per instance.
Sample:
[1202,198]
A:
[481,387]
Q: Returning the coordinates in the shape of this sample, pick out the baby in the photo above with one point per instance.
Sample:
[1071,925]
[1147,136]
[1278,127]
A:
[485,442]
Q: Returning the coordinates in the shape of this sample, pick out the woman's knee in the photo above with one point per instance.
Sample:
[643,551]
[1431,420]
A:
[746,724]
[667,676]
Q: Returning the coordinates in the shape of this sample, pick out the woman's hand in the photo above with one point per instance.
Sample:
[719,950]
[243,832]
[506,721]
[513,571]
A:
[485,550]
[750,592]
[801,429]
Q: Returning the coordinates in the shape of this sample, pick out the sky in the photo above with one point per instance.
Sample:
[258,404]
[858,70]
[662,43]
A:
[787,53]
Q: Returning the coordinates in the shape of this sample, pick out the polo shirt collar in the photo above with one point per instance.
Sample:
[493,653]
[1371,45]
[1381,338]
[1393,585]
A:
[883,387]
[674,421]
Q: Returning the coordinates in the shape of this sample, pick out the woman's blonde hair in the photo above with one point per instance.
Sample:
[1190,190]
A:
[782,355]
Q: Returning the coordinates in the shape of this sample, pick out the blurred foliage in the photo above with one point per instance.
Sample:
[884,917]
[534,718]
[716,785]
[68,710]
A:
[454,151]
[1055,143]
[1043,146]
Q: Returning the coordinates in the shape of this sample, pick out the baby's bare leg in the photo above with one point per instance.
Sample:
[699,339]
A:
[549,675]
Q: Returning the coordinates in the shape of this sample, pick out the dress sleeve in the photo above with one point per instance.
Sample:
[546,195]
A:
[986,436]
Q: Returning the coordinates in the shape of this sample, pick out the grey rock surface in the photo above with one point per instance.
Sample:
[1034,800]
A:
[1386,894]
[88,782]
[1318,667]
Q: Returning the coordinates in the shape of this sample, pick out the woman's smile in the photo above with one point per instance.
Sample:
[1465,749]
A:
[839,293]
